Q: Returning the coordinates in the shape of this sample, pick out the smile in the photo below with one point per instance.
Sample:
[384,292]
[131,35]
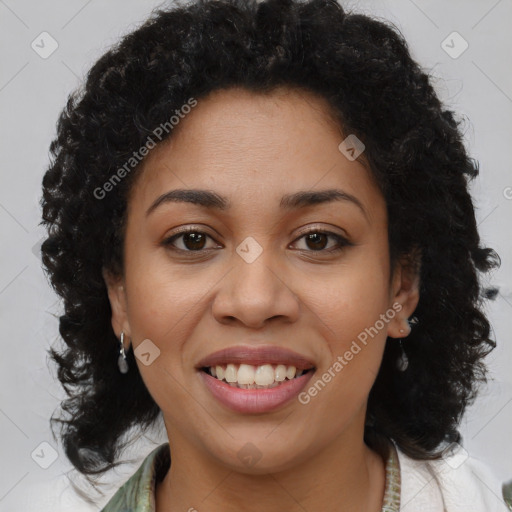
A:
[248,376]
[255,398]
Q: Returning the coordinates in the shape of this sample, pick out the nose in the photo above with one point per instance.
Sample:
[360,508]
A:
[254,292]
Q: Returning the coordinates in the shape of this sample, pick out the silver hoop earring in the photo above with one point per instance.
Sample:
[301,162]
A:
[121,360]
[402,362]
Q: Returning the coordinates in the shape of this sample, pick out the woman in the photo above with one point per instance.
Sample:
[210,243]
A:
[259,221]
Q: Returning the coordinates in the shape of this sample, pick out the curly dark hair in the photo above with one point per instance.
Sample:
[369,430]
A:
[414,148]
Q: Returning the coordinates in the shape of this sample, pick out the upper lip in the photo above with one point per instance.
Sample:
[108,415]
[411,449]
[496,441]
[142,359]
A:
[256,356]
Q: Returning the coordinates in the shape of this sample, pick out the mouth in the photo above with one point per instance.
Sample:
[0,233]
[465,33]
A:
[248,376]
[255,398]
[255,379]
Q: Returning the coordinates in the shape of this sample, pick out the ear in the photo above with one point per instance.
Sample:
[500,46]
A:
[405,293]
[117,298]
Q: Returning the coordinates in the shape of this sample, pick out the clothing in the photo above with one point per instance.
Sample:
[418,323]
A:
[452,484]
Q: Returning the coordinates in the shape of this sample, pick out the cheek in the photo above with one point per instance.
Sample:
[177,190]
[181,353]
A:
[353,313]
[352,297]
[161,297]
[162,309]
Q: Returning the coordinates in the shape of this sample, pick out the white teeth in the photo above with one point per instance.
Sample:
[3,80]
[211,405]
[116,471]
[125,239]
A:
[248,376]
[245,374]
[290,372]
[280,372]
[264,375]
[230,374]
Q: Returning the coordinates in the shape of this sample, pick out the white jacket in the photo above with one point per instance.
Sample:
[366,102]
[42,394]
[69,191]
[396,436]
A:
[456,483]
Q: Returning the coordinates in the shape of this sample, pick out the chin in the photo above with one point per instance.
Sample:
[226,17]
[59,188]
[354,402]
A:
[259,454]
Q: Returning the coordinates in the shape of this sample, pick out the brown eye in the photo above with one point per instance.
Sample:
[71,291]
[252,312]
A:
[192,240]
[317,241]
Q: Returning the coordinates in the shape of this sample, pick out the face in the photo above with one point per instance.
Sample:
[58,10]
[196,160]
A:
[267,270]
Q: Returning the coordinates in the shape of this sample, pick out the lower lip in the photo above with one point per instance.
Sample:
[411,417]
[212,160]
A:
[255,400]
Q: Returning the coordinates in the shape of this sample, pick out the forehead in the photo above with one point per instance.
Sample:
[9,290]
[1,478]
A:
[252,147]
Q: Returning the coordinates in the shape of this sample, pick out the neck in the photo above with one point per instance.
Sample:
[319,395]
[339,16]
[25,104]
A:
[344,476]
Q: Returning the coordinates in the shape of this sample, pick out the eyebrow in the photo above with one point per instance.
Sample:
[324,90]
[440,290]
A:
[212,200]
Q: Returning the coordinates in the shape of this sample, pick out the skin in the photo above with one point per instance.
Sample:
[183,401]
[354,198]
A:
[253,149]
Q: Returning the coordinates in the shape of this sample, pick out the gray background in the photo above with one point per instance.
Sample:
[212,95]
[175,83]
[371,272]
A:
[477,84]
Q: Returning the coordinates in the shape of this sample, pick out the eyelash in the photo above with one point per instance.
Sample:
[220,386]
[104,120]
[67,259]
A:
[341,241]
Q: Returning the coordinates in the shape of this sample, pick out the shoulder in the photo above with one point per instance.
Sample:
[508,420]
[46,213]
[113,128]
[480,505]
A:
[137,494]
[455,483]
